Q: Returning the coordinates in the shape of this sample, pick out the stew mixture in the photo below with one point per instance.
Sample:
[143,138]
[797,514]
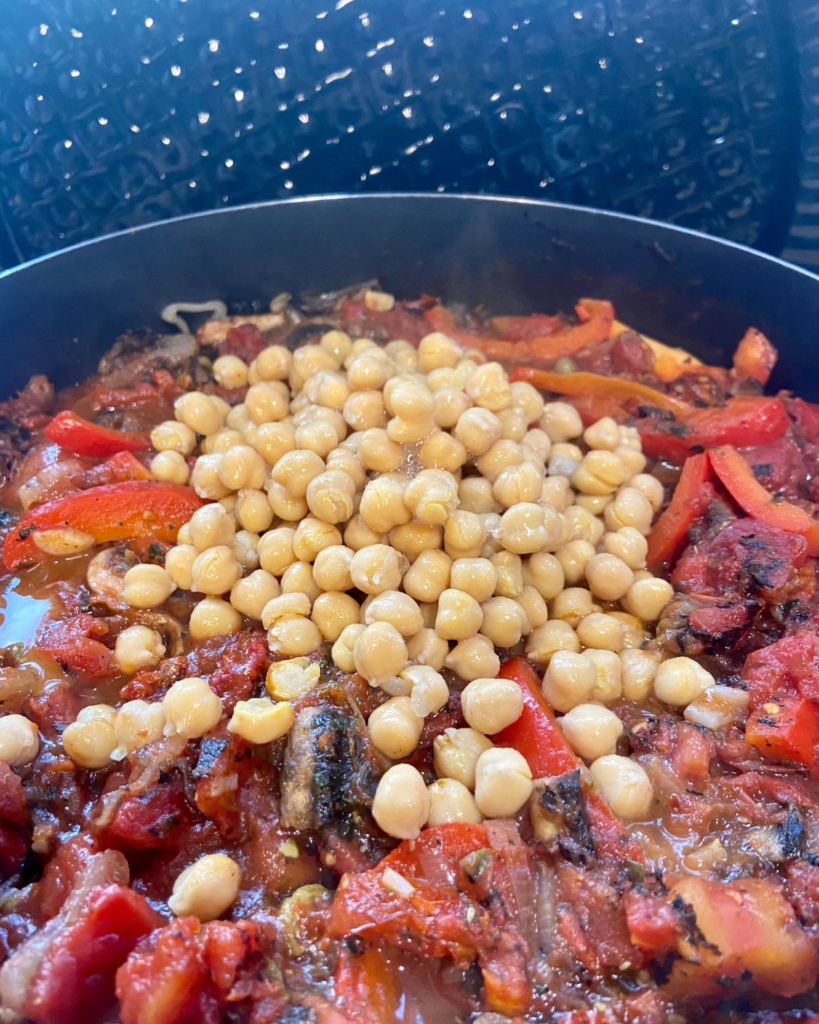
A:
[347,679]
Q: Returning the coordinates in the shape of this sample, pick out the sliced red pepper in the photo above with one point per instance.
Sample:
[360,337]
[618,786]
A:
[82,437]
[540,739]
[742,422]
[755,357]
[786,729]
[516,328]
[691,498]
[120,467]
[751,496]
[139,508]
[584,385]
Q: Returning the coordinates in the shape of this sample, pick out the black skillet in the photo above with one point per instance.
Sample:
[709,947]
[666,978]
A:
[59,313]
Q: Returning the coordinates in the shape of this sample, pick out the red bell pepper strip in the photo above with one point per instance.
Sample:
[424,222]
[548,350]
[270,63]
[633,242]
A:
[584,385]
[751,496]
[755,357]
[691,498]
[743,422]
[786,729]
[516,328]
[537,736]
[138,508]
[82,437]
[120,467]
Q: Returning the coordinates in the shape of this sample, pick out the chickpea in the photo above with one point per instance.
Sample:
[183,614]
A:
[411,539]
[313,536]
[400,610]
[545,573]
[429,576]
[527,528]
[477,430]
[534,609]
[503,782]
[638,671]
[284,505]
[379,453]
[490,705]
[560,422]
[527,398]
[332,612]
[634,632]
[298,579]
[604,434]
[509,568]
[330,496]
[172,436]
[230,371]
[432,496]
[211,526]
[241,467]
[198,412]
[680,681]
[273,440]
[259,720]
[238,417]
[207,888]
[516,484]
[537,441]
[553,636]
[599,473]
[450,800]
[220,442]
[137,724]
[625,785]
[574,557]
[337,343]
[401,805]
[342,652]
[19,740]
[629,508]
[171,467]
[213,617]
[276,550]
[294,471]
[591,730]
[379,652]
[442,451]
[633,462]
[557,491]
[609,675]
[569,680]
[594,503]
[367,373]
[364,410]
[293,635]
[513,424]
[464,534]
[429,690]
[503,621]
[137,647]
[284,606]
[573,605]
[449,404]
[456,753]
[436,350]
[376,568]
[608,577]
[427,648]
[564,459]
[647,598]
[179,564]
[459,615]
[477,577]
[383,505]
[147,586]
[474,658]
[650,486]
[332,568]
[500,456]
[629,545]
[318,436]
[215,571]
[602,632]
[488,387]
[274,363]
[582,525]
[251,594]
[90,739]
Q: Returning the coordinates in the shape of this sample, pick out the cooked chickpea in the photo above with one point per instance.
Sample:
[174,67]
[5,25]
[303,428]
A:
[459,616]
[284,606]
[230,371]
[477,430]
[427,648]
[296,469]
[138,647]
[638,669]
[609,577]
[500,456]
[591,730]
[197,411]
[342,651]
[527,398]
[367,373]
[251,594]
[450,800]
[400,610]
[488,387]
[332,612]
[332,568]
[428,577]
[449,404]
[436,350]
[364,410]
[313,536]
[432,496]
[224,439]
[205,477]
[276,550]
[274,363]
[207,888]
[284,505]
[238,417]
[635,633]
[401,805]
[560,422]
[259,720]
[318,435]
[337,343]
[564,459]
[358,535]
[464,534]
[557,491]
[651,487]
[572,605]
[90,739]
[526,528]
[137,724]
[629,508]
[604,434]
[574,557]
[429,690]
[214,617]
[516,484]
[503,621]
[291,679]
[376,568]
[211,526]
[146,586]
[439,450]
[298,579]
[629,545]
[191,708]
[534,608]
[477,577]
[413,538]
[328,389]
[625,785]
[503,782]
[241,467]
[599,473]
[379,453]
[513,424]
[383,505]
[609,675]
[602,632]
[330,496]
[537,441]
[569,680]
[172,436]
[509,568]
[253,511]
[19,740]
[293,635]
[490,705]
[679,681]
[580,524]
[215,571]
[647,598]
[474,658]
[633,462]
[179,564]
[554,635]
[379,652]
[170,467]
[544,572]
[273,440]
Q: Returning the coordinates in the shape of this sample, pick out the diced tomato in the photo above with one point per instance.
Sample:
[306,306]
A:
[398,322]
[75,980]
[239,668]
[755,357]
[591,918]
[154,819]
[717,621]
[786,729]
[652,923]
[245,341]
[366,990]
[13,802]
[742,422]
[73,642]
[784,669]
[162,389]
[802,888]
[82,437]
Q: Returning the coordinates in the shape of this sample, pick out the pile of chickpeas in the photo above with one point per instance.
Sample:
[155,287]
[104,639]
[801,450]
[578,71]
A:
[469,513]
